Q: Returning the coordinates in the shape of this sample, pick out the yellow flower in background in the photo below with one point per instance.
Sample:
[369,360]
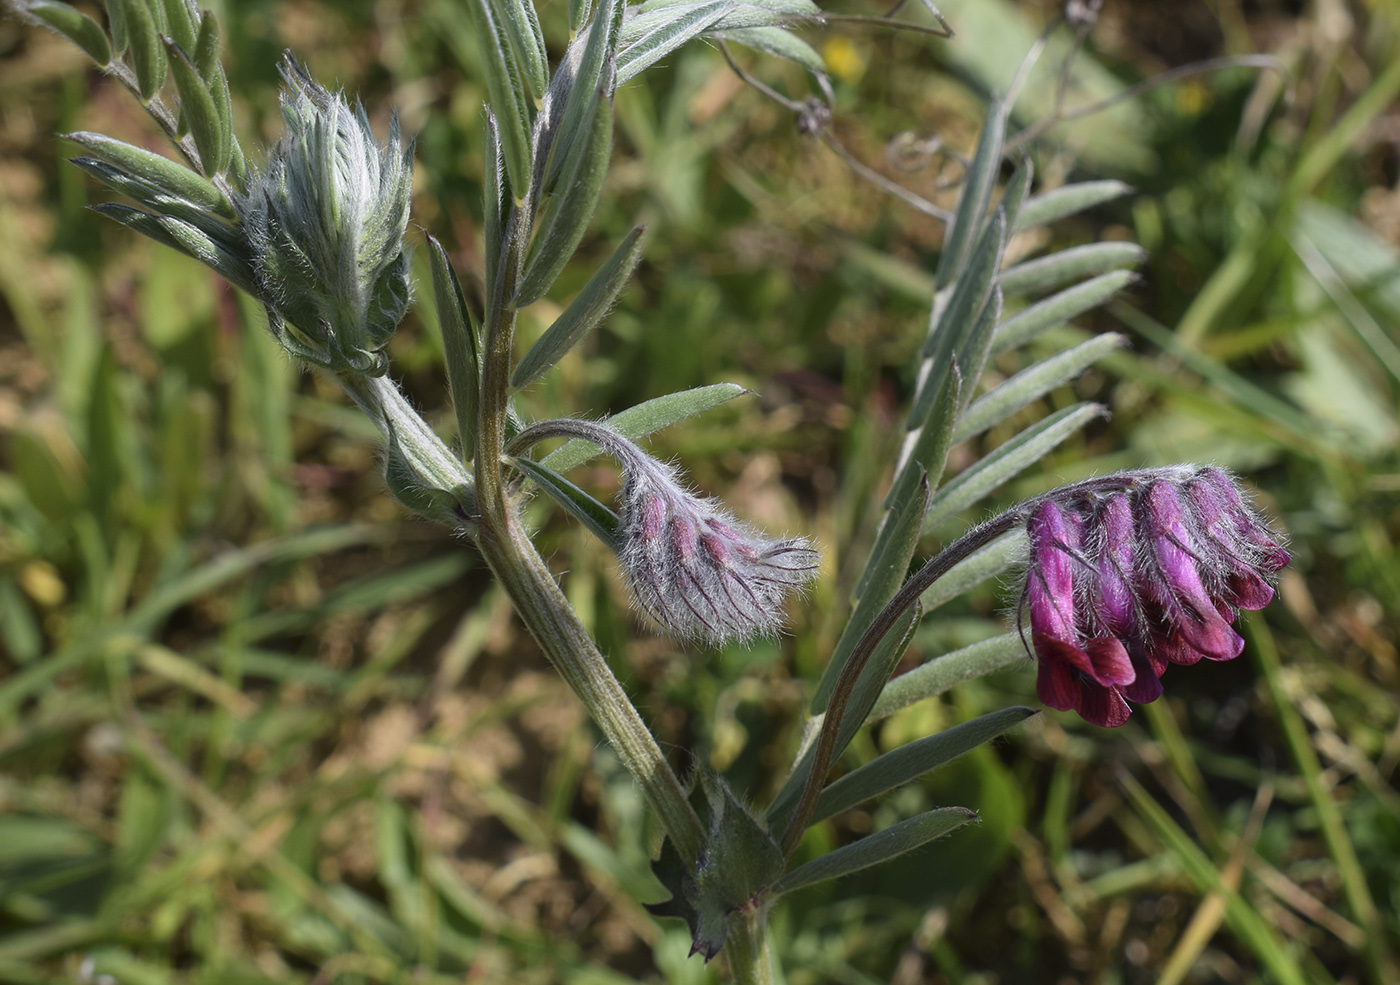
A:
[843,60]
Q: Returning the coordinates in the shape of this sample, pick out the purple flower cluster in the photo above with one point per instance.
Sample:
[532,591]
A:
[1127,577]
[695,568]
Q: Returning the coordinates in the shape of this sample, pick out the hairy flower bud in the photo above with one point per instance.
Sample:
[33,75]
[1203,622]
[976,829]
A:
[691,565]
[1133,572]
[325,218]
[696,569]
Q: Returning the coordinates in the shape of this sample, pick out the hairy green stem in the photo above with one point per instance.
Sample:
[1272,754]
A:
[542,606]
[747,947]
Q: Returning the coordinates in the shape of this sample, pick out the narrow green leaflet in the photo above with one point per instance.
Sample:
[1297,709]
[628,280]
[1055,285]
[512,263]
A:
[976,194]
[578,13]
[660,33]
[160,201]
[863,697]
[187,239]
[74,25]
[507,93]
[1075,263]
[494,207]
[583,314]
[603,522]
[973,287]
[527,42]
[159,171]
[1008,461]
[908,762]
[571,205]
[1016,190]
[882,846]
[944,673]
[989,562]
[459,346]
[876,674]
[1031,384]
[972,354]
[579,82]
[181,20]
[207,47]
[776,41]
[1067,201]
[884,573]
[147,52]
[646,418]
[211,138]
[1026,325]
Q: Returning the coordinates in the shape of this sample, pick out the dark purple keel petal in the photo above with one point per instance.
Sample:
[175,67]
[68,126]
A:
[1056,684]
[1102,706]
[1110,661]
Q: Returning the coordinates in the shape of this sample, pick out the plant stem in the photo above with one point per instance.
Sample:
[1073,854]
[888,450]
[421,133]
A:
[531,587]
[747,948]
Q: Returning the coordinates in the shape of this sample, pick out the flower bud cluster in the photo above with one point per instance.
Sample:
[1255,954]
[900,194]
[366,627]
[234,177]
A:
[325,219]
[699,571]
[1129,576]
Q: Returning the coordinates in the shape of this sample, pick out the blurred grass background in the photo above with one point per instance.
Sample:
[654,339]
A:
[257,727]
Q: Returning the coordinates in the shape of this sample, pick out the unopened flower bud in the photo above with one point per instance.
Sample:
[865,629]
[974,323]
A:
[325,218]
[1133,572]
[699,571]
[691,565]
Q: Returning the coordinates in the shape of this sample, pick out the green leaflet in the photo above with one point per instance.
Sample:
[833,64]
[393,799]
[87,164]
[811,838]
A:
[989,562]
[147,52]
[1075,263]
[603,522]
[212,138]
[776,41]
[1026,325]
[647,38]
[948,671]
[1066,201]
[646,418]
[908,762]
[583,314]
[976,194]
[507,91]
[882,846]
[1008,461]
[156,170]
[460,346]
[1031,384]
[572,202]
[868,688]
[74,25]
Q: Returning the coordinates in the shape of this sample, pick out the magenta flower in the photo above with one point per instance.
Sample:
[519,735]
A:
[1131,573]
